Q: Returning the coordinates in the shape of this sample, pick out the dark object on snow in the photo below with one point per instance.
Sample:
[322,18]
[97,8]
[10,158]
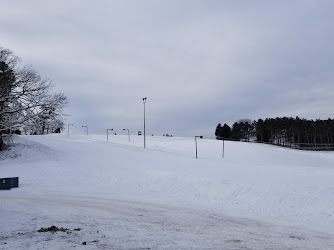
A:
[8,183]
[84,243]
[53,229]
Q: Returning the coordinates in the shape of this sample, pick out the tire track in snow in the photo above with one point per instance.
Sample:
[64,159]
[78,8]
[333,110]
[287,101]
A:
[129,223]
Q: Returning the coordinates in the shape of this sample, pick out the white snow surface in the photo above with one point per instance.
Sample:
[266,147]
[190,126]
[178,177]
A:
[123,196]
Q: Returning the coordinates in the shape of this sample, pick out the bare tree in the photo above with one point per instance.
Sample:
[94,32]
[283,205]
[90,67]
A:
[49,116]
[26,98]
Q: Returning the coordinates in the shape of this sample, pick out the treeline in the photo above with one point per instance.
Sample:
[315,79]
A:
[27,103]
[285,131]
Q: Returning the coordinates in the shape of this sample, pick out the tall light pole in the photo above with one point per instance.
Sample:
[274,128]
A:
[144,101]
[86,129]
[199,136]
[68,128]
[107,132]
[128,132]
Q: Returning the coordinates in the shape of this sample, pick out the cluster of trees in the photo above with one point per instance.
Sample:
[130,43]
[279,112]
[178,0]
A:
[27,103]
[285,131]
[241,130]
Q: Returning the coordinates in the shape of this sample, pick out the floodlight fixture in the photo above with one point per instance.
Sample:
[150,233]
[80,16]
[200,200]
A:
[68,128]
[108,131]
[144,102]
[197,136]
[128,132]
[86,129]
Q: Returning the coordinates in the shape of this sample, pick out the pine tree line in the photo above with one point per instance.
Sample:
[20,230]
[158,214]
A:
[285,131]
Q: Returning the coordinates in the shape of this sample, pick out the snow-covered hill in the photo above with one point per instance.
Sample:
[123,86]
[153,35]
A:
[121,195]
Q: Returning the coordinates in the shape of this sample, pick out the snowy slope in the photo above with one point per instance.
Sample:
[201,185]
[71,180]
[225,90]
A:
[124,196]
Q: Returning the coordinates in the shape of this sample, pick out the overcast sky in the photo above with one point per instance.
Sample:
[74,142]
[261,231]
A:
[198,62]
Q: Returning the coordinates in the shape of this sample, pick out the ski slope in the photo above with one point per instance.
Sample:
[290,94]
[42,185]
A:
[121,195]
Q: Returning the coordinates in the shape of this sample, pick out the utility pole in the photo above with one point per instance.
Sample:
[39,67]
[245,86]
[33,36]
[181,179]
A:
[128,132]
[86,129]
[68,128]
[144,101]
[198,136]
[107,132]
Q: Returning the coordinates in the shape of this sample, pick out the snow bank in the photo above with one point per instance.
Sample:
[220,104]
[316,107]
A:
[278,188]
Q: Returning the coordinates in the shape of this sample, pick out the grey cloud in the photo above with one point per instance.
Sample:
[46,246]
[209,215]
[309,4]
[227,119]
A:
[198,62]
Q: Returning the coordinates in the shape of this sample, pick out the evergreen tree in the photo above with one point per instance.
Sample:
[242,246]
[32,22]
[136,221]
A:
[236,133]
[218,130]
[226,131]
[284,131]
